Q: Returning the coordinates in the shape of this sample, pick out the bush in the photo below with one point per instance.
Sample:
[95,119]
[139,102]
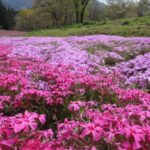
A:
[125,23]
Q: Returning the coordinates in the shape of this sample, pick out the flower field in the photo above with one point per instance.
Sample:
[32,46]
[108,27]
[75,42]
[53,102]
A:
[75,93]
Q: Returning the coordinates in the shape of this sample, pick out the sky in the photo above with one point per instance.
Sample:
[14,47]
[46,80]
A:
[104,1]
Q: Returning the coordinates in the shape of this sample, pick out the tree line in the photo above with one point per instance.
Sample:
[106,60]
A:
[7,17]
[61,13]
[52,13]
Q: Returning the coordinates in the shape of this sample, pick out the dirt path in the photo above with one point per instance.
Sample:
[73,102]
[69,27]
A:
[11,33]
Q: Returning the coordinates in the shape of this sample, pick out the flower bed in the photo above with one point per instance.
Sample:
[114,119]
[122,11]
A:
[50,99]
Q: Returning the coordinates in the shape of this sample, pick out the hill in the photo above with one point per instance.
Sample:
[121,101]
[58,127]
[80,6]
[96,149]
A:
[18,4]
[139,26]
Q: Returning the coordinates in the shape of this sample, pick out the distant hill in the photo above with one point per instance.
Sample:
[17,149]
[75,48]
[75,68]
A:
[18,4]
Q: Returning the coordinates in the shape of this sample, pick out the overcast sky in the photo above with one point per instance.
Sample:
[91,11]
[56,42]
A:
[102,1]
[105,0]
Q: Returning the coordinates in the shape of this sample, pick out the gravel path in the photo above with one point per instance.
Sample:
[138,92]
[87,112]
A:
[11,33]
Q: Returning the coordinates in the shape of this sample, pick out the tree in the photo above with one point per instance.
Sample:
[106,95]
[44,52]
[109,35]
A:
[2,15]
[7,17]
[116,9]
[60,11]
[10,18]
[144,7]
[32,19]
[80,6]
[132,9]
[94,11]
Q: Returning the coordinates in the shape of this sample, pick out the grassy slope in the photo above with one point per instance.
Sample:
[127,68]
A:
[124,27]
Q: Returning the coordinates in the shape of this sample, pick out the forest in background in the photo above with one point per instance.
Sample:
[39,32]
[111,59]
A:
[46,14]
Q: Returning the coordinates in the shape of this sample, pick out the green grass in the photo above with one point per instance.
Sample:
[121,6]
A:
[125,27]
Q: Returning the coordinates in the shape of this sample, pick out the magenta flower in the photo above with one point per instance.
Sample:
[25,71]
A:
[7,143]
[56,84]
[75,106]
[91,129]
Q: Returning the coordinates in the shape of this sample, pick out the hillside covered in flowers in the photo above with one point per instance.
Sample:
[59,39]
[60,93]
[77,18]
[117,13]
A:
[75,93]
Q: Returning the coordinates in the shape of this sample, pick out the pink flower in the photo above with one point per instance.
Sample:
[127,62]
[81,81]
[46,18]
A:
[134,135]
[76,106]
[33,145]
[8,143]
[42,119]
[46,134]
[93,148]
[26,122]
[134,132]
[92,129]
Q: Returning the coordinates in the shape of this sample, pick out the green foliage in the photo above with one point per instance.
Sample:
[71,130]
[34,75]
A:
[124,23]
[7,17]
[55,14]
[97,47]
[139,26]
[144,7]
[29,19]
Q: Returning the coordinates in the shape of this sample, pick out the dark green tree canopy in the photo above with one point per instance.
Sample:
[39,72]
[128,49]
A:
[7,17]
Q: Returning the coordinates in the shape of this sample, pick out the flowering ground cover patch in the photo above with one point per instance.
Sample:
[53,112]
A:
[75,93]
